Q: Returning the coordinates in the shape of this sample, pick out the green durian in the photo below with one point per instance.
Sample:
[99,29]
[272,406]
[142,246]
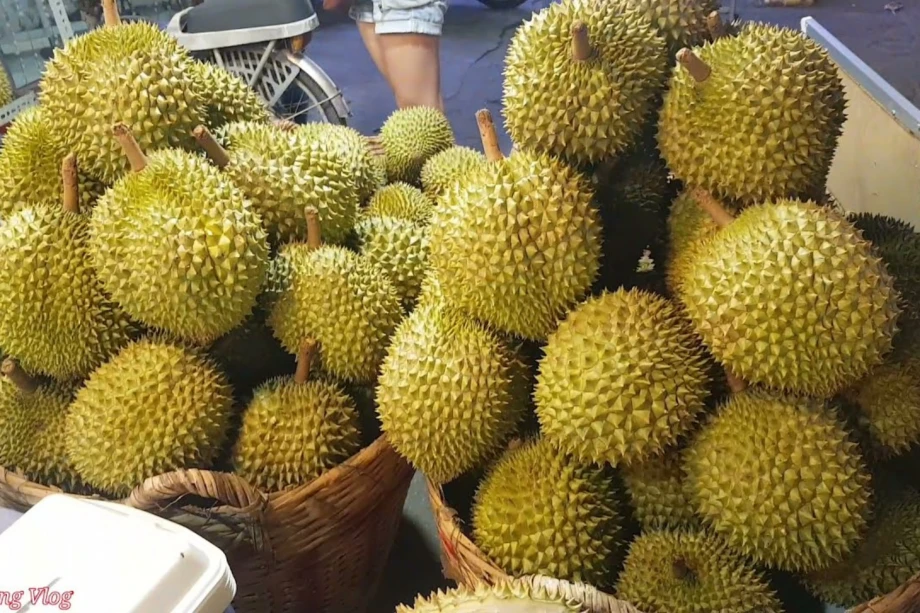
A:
[658,490]
[898,244]
[682,23]
[781,480]
[540,512]
[692,572]
[448,393]
[6,86]
[506,595]
[445,168]
[177,245]
[789,295]
[518,246]
[622,377]
[582,109]
[155,407]
[226,96]
[687,224]
[295,429]
[401,201]
[369,174]
[410,136]
[771,107]
[398,247]
[888,403]
[250,354]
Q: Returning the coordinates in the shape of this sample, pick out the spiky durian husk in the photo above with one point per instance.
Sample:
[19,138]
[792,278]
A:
[282,173]
[369,174]
[6,86]
[294,432]
[659,493]
[341,300]
[57,319]
[134,74]
[444,168]
[410,136]
[505,595]
[889,408]
[179,248]
[682,23]
[765,81]
[154,408]
[898,243]
[622,377]
[430,292]
[886,558]
[399,248]
[583,111]
[519,245]
[402,201]
[447,396]
[781,480]
[692,572]
[789,295]
[226,96]
[30,166]
[540,512]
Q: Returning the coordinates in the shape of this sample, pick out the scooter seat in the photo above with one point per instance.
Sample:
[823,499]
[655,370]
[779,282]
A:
[223,15]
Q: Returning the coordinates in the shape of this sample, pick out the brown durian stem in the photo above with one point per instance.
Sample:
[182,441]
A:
[712,206]
[110,12]
[285,125]
[12,371]
[692,63]
[488,135]
[71,188]
[715,25]
[314,229]
[735,383]
[206,141]
[683,571]
[305,361]
[133,151]
[581,44]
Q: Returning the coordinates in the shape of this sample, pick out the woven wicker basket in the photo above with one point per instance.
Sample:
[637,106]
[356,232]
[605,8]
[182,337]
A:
[320,547]
[463,562]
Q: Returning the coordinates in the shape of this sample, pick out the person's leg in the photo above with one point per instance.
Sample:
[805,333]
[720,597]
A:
[372,43]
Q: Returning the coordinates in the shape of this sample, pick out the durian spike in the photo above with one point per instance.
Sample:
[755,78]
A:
[692,63]
[715,25]
[305,361]
[136,157]
[712,206]
[12,371]
[581,44]
[110,12]
[314,229]
[735,384]
[69,178]
[285,125]
[488,135]
[206,141]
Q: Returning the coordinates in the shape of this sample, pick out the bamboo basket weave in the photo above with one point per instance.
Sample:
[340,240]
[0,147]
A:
[320,547]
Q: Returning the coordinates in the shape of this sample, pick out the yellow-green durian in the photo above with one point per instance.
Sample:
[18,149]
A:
[687,224]
[898,243]
[888,403]
[399,248]
[506,595]
[781,480]
[226,96]
[789,295]
[518,246]
[402,201]
[539,511]
[448,395]
[179,248]
[692,572]
[155,407]
[659,493]
[443,169]
[583,110]
[6,87]
[771,108]
[683,23]
[369,174]
[622,377]
[410,136]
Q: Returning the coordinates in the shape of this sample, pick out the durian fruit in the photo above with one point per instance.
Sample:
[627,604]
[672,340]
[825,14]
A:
[338,298]
[445,168]
[448,396]
[156,407]
[32,424]
[789,295]
[409,137]
[886,558]
[622,377]
[659,493]
[770,103]
[402,201]
[6,86]
[349,143]
[781,480]
[250,354]
[898,244]
[888,403]
[226,96]
[399,247]
[687,225]
[295,429]
[177,245]
[506,595]
[682,23]
[692,572]
[520,245]
[57,319]
[281,172]
[30,166]
[580,76]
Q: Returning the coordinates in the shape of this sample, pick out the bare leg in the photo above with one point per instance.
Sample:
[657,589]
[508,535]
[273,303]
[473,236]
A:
[372,42]
[413,68]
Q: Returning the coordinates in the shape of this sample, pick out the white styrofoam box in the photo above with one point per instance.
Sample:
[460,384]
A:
[90,556]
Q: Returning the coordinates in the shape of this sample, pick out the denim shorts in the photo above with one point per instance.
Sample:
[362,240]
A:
[401,16]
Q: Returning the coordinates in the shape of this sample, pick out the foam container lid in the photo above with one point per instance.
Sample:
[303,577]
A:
[98,556]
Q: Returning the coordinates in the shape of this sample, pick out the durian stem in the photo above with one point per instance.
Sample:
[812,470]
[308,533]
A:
[712,206]
[314,229]
[69,178]
[735,384]
[305,361]
[285,125]
[682,571]
[136,157]
[488,135]
[12,371]
[581,44]
[206,141]
[110,11]
[692,63]
[715,25]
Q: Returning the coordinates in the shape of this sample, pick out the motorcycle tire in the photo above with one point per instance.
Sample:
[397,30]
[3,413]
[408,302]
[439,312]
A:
[503,5]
